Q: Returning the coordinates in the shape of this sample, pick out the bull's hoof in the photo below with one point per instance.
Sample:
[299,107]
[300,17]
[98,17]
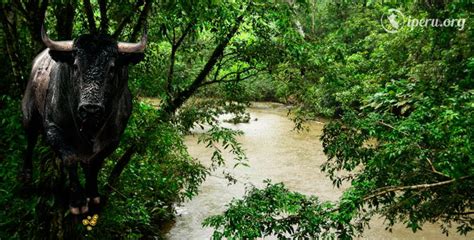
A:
[93,199]
[78,204]
[94,204]
[96,200]
[74,210]
[79,210]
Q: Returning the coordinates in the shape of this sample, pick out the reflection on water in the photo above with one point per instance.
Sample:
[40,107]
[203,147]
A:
[279,153]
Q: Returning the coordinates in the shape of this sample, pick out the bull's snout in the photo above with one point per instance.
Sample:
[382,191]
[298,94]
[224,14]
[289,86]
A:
[90,111]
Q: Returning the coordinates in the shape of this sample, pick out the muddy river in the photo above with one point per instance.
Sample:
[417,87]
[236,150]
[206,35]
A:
[277,152]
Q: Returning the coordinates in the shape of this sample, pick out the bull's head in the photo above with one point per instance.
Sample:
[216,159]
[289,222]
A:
[97,67]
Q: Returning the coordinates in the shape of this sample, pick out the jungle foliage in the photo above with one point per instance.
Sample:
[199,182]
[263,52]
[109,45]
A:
[193,47]
[401,136]
[401,107]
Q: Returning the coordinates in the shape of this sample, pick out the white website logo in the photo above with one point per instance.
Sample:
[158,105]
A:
[394,20]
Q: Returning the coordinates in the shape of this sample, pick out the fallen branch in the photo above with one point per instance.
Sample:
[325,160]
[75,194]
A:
[386,190]
[116,190]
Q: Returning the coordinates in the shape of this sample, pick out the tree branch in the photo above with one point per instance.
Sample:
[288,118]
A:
[219,67]
[238,79]
[222,62]
[90,16]
[104,20]
[33,12]
[18,5]
[168,36]
[186,31]
[126,20]
[392,127]
[37,14]
[65,19]
[172,106]
[141,20]
[112,188]
[382,191]
[9,24]
[231,73]
[433,169]
[174,49]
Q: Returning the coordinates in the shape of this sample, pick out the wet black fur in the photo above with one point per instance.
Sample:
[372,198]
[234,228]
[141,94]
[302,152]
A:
[93,73]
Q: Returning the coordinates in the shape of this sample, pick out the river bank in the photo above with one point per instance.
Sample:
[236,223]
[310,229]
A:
[277,152]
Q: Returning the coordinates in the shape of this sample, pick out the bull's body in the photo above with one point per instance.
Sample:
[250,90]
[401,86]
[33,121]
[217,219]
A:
[78,98]
[48,106]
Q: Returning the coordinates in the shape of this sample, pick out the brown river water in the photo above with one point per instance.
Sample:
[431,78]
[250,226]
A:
[277,152]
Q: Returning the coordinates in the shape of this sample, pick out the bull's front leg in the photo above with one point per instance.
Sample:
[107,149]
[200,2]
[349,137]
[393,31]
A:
[77,200]
[68,155]
[92,167]
[91,171]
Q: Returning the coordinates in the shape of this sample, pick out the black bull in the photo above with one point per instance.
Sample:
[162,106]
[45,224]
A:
[78,98]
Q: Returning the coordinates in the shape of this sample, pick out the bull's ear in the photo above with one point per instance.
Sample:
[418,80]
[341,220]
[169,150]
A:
[62,56]
[130,58]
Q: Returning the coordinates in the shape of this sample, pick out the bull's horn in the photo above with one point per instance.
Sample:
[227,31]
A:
[63,46]
[125,47]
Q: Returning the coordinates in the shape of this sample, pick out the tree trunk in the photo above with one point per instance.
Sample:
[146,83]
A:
[173,104]
[90,16]
[9,23]
[65,14]
[104,20]
[141,21]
